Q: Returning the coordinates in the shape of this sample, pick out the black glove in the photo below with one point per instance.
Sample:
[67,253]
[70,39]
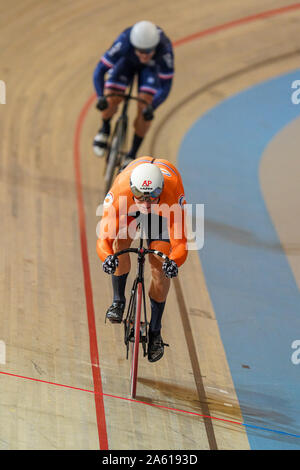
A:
[170,268]
[148,113]
[110,264]
[102,103]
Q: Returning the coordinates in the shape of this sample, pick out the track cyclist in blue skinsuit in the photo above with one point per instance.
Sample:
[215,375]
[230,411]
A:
[143,49]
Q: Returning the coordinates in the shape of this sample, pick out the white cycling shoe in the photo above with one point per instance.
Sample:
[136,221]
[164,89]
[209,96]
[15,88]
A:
[100,144]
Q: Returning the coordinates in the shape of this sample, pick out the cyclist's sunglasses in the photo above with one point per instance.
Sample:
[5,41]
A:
[146,197]
[144,51]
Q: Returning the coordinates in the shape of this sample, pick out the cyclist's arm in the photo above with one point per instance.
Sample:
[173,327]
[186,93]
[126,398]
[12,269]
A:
[178,239]
[105,241]
[165,64]
[99,73]
[104,248]
[118,49]
[179,254]
[178,232]
[109,227]
[162,93]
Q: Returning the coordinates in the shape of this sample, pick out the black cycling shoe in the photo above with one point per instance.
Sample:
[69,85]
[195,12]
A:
[155,347]
[115,312]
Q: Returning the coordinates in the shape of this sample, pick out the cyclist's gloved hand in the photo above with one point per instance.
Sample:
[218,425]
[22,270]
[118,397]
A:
[102,103]
[110,264]
[148,113]
[170,268]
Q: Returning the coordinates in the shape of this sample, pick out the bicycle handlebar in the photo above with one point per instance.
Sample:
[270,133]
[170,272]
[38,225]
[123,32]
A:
[143,252]
[128,97]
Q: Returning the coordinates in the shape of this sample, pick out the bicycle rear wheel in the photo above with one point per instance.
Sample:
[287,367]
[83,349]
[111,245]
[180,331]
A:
[130,319]
[135,348]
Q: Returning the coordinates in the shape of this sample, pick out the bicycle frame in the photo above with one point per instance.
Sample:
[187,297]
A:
[127,98]
[122,120]
[133,317]
[135,311]
[115,149]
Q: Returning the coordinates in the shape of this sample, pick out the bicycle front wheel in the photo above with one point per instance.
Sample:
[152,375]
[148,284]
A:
[135,352]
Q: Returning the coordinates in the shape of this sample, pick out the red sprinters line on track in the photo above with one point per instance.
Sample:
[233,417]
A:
[152,404]
[120,398]
[239,22]
[100,411]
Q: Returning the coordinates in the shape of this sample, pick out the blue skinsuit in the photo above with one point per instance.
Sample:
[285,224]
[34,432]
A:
[121,63]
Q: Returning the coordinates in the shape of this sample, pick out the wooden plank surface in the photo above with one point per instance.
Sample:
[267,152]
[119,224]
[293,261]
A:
[48,53]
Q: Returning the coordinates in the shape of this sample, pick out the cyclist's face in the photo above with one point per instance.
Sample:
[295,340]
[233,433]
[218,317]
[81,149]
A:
[145,206]
[144,57]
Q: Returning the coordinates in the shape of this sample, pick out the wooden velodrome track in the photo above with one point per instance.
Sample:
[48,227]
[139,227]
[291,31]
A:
[48,53]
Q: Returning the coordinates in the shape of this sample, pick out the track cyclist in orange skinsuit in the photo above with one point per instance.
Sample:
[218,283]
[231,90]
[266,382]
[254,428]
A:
[144,192]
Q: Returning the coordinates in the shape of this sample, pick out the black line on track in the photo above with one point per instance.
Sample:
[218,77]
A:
[195,366]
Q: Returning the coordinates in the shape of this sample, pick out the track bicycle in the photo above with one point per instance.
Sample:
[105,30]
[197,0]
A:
[115,152]
[136,326]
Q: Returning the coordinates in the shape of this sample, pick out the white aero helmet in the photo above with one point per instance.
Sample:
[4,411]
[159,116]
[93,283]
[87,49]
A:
[144,36]
[146,180]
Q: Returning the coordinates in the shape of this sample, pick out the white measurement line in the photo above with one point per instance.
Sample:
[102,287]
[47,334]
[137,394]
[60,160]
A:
[219,389]
[2,352]
[2,92]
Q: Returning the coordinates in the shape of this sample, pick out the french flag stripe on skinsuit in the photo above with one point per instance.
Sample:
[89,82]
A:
[148,89]
[115,85]
[106,62]
[165,76]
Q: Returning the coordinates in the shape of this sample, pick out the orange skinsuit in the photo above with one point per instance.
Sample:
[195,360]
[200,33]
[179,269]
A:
[172,194]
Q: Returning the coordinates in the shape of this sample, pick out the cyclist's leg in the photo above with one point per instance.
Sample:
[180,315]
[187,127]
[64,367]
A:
[113,103]
[121,243]
[148,86]
[156,227]
[141,126]
[116,310]
[158,292]
[160,284]
[124,240]
[101,139]
[119,78]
